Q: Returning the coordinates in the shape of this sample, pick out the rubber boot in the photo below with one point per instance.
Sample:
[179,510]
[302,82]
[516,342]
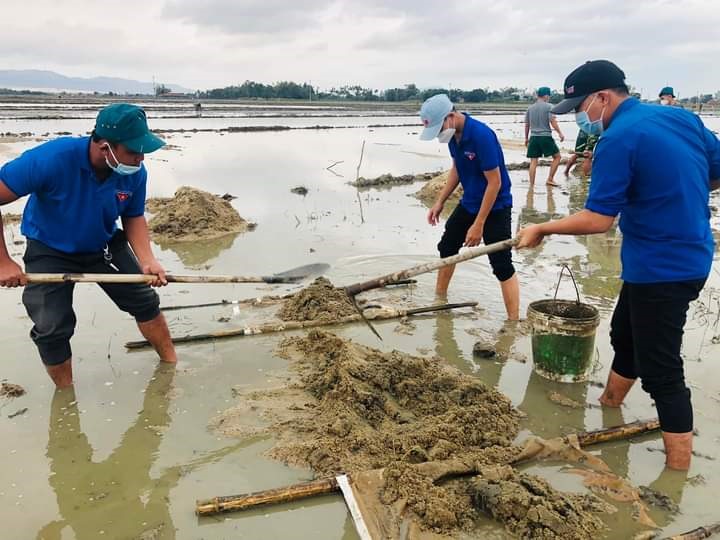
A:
[616,389]
[678,450]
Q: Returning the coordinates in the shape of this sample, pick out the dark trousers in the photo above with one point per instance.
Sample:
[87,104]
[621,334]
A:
[50,305]
[646,333]
[498,227]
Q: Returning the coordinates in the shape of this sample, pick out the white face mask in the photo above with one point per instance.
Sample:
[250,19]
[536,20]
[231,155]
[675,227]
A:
[446,134]
[121,168]
[664,102]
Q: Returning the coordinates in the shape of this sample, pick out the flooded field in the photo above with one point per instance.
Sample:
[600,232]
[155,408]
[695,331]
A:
[128,451]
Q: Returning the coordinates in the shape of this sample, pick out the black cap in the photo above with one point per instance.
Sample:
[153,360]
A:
[590,77]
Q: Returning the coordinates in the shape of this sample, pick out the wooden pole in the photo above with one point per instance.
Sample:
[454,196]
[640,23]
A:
[264,299]
[270,328]
[471,253]
[289,276]
[624,431]
[329,485]
[232,503]
[697,534]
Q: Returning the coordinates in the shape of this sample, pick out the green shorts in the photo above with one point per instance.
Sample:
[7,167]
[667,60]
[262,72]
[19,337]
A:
[541,146]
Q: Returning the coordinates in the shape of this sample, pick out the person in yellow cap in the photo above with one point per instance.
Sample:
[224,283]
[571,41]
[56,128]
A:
[79,187]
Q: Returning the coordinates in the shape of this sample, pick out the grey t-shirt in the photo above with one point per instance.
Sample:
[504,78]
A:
[538,116]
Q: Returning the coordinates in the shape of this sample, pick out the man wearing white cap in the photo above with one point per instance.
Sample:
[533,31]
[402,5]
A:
[485,210]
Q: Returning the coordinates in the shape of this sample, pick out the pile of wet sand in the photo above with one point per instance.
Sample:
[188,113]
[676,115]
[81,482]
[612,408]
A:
[320,301]
[430,191]
[530,508]
[389,180]
[353,409]
[193,214]
[11,390]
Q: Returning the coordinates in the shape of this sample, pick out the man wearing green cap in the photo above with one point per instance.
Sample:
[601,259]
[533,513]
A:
[538,135]
[667,97]
[78,188]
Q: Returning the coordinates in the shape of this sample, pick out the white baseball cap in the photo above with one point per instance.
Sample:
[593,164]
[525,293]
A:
[433,113]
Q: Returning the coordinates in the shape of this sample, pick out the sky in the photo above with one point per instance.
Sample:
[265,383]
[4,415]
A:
[380,44]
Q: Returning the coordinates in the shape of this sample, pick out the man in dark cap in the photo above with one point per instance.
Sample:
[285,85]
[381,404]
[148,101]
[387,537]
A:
[79,187]
[655,167]
[667,97]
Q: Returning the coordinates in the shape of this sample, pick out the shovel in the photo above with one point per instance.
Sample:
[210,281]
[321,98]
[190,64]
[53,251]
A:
[289,276]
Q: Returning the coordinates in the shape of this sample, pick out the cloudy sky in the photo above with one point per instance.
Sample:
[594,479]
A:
[375,43]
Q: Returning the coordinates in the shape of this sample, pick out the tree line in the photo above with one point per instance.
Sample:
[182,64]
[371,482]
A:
[409,92]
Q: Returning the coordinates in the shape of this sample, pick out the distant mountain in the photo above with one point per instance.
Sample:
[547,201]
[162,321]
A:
[34,79]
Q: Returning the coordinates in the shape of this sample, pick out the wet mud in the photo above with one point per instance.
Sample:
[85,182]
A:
[530,508]
[389,180]
[11,390]
[320,301]
[193,214]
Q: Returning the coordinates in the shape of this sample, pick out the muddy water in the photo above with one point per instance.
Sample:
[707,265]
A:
[127,454]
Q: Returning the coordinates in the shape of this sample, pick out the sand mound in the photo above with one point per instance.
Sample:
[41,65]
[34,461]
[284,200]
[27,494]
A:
[11,390]
[364,409]
[404,426]
[429,192]
[530,508]
[320,300]
[193,214]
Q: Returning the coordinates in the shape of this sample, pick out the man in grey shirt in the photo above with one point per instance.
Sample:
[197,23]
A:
[539,122]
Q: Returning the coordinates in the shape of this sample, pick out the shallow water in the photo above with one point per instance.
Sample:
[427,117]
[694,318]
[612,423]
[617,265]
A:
[127,455]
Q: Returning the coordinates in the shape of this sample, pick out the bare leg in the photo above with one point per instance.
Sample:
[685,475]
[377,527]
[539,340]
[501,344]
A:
[511,296]
[444,276]
[678,450]
[570,163]
[533,169]
[61,374]
[157,333]
[553,169]
[616,389]
[587,167]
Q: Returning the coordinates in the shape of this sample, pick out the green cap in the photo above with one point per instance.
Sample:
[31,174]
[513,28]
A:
[127,124]
[667,91]
[543,91]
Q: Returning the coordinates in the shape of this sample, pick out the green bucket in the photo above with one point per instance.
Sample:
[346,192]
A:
[563,337]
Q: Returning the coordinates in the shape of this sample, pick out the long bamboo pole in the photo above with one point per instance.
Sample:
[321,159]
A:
[232,503]
[697,534]
[329,485]
[263,299]
[289,276]
[147,278]
[471,253]
[269,328]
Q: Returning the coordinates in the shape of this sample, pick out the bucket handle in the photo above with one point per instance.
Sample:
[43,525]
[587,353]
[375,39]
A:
[562,271]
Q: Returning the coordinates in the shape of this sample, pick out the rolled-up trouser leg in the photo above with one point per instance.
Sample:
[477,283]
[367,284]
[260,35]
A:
[658,313]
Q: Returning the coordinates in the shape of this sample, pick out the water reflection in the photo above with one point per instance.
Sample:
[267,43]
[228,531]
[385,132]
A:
[599,270]
[116,497]
[196,254]
[95,498]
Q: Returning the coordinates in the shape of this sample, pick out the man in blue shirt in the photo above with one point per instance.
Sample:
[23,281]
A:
[485,210]
[655,167]
[79,187]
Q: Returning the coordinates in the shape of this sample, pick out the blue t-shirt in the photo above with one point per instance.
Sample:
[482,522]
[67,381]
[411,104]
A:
[69,208]
[479,151]
[653,166]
